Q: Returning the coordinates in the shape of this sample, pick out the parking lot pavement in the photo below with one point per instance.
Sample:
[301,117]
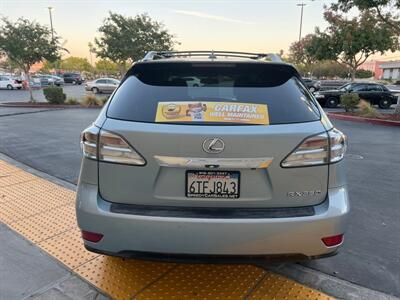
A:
[49,141]
[76,91]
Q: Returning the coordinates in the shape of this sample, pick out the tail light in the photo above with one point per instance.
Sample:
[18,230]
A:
[320,149]
[109,147]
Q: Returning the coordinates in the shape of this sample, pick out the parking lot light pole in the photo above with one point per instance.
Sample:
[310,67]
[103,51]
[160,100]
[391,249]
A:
[301,18]
[51,22]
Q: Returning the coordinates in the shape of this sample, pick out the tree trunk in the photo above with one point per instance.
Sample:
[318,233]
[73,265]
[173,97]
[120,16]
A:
[28,77]
[353,71]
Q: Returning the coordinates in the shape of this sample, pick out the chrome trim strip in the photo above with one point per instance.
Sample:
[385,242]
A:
[226,163]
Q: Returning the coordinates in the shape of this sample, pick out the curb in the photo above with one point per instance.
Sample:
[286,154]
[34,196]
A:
[44,105]
[362,120]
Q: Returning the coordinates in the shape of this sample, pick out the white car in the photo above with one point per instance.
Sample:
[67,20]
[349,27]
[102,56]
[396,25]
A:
[7,82]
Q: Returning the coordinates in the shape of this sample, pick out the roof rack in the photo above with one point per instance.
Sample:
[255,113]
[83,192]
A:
[211,54]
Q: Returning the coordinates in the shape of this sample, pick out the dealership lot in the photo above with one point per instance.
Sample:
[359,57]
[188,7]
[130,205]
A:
[49,141]
[73,91]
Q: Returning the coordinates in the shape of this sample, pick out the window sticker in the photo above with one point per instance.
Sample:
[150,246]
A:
[203,111]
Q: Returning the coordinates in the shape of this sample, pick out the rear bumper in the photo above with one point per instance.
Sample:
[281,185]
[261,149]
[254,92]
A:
[134,235]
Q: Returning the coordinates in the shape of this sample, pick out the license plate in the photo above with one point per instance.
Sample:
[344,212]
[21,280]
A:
[213,184]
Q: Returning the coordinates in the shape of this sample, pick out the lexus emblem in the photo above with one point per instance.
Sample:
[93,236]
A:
[213,145]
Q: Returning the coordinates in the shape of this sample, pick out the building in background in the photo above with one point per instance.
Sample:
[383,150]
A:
[391,70]
[374,67]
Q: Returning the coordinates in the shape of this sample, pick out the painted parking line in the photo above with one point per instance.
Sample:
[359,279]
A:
[44,213]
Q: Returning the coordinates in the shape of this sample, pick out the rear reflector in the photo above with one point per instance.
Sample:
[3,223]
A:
[331,241]
[91,236]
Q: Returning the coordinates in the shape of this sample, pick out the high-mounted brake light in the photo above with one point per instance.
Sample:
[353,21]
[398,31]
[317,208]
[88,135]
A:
[317,150]
[108,147]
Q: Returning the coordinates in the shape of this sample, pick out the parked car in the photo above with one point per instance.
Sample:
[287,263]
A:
[312,85]
[247,164]
[102,85]
[74,78]
[376,94]
[46,80]
[9,83]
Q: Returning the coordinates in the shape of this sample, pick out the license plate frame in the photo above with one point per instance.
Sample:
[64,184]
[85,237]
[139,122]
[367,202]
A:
[235,174]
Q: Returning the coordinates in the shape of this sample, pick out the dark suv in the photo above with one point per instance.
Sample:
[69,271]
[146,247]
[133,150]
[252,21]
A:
[74,78]
[374,93]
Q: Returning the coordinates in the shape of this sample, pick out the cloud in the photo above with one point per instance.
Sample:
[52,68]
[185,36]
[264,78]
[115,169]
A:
[210,17]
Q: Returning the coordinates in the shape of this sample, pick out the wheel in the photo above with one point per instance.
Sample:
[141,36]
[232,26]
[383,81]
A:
[332,102]
[73,82]
[384,103]
[19,87]
[9,87]
[312,89]
[95,90]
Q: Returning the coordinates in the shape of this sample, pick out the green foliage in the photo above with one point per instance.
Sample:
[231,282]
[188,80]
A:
[388,11]
[72,101]
[90,100]
[106,66]
[125,39]
[74,63]
[330,69]
[27,42]
[298,53]
[352,40]
[360,73]
[350,101]
[54,95]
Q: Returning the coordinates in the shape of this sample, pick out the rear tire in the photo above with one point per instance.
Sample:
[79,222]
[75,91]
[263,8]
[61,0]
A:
[332,102]
[95,90]
[384,103]
[9,87]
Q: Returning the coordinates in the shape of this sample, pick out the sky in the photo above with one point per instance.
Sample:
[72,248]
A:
[252,25]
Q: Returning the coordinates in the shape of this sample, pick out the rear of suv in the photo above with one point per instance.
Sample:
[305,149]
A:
[245,163]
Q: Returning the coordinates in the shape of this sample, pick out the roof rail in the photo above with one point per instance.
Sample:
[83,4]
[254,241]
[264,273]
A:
[211,54]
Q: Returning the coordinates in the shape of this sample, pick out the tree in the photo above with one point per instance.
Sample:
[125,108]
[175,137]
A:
[352,41]
[106,66]
[298,53]
[388,11]
[360,73]
[74,63]
[125,39]
[26,43]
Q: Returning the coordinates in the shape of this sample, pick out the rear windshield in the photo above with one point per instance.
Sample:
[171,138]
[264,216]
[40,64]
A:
[273,90]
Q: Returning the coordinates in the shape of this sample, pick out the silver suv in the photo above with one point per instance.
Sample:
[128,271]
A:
[244,163]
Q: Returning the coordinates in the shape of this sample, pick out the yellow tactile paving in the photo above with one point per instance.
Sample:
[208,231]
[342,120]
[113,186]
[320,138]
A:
[47,224]
[7,179]
[205,281]
[68,248]
[122,278]
[44,213]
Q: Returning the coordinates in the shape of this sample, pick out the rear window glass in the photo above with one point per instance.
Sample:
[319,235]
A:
[273,85]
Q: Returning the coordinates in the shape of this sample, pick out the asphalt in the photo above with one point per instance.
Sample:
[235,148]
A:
[49,141]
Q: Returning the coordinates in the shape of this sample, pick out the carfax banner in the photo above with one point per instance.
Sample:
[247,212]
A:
[199,111]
